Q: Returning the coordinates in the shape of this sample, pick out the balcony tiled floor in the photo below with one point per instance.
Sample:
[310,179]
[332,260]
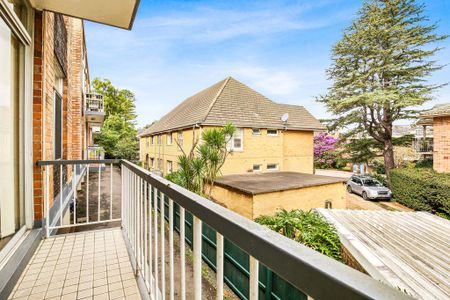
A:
[84,265]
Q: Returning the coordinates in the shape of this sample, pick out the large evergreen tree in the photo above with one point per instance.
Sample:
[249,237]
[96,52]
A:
[379,69]
[118,135]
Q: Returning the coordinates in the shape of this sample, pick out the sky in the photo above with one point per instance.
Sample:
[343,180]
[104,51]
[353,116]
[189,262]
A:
[279,48]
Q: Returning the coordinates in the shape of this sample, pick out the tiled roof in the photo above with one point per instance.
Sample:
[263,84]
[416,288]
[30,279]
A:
[232,101]
[437,110]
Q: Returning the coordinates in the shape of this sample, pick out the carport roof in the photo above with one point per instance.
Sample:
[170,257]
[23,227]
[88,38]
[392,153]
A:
[408,250]
[260,183]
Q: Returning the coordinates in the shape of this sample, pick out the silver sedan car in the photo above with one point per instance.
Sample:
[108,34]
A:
[368,187]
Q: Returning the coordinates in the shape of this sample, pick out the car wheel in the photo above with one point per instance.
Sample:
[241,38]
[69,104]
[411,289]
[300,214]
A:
[349,189]
[364,195]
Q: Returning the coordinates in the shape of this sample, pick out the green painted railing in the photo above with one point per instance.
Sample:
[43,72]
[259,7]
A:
[236,262]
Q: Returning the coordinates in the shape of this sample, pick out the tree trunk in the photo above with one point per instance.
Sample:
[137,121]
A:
[388,153]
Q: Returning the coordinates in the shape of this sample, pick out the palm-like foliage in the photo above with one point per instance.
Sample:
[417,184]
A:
[203,162]
[214,151]
[307,228]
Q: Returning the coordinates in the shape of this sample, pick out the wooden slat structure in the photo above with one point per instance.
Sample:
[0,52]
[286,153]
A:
[408,250]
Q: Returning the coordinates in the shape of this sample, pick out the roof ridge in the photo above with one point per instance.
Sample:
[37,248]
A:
[216,97]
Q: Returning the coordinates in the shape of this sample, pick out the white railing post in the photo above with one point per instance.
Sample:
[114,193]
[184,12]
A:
[150,244]
[87,193]
[61,195]
[74,187]
[163,252]
[182,253]
[254,278]
[197,258]
[171,275]
[111,193]
[155,219]
[122,198]
[47,201]
[219,265]
[145,266]
[99,191]
[138,227]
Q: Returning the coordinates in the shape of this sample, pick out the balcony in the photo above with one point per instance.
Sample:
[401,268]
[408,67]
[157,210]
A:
[95,114]
[423,148]
[156,238]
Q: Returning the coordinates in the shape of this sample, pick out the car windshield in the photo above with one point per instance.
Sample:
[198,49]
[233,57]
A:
[371,182]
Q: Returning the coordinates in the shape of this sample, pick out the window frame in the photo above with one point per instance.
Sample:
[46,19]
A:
[169,138]
[259,168]
[271,134]
[180,139]
[277,167]
[231,145]
[21,26]
[258,133]
[169,166]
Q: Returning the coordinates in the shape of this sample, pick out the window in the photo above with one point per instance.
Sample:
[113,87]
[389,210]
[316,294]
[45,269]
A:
[169,138]
[152,162]
[159,139]
[257,168]
[272,167]
[151,140]
[272,132]
[180,139]
[328,204]
[160,164]
[256,131]
[237,140]
[169,167]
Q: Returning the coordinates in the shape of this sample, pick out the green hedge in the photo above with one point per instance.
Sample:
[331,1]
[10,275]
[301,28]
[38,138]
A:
[422,189]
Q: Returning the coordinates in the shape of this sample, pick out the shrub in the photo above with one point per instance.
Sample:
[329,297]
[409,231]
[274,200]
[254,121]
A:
[380,178]
[325,152]
[378,167]
[307,228]
[422,189]
[425,163]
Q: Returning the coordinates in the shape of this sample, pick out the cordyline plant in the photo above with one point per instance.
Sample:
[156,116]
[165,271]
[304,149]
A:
[307,228]
[325,150]
[379,69]
[203,162]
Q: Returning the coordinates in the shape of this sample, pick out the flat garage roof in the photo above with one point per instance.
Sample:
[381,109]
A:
[261,183]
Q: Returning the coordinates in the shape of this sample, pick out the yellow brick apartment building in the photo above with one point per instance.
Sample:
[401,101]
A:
[269,136]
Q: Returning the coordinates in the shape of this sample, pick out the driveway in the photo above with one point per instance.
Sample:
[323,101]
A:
[355,201]
[334,173]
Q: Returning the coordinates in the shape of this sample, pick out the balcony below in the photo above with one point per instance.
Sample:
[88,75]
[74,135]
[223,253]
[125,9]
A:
[95,113]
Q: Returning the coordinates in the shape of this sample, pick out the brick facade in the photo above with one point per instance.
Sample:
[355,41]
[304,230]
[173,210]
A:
[45,69]
[441,134]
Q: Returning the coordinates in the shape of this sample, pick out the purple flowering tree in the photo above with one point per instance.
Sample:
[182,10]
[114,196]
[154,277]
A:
[325,150]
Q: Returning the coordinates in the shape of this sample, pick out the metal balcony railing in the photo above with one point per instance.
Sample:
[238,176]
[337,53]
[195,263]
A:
[420,147]
[95,152]
[94,102]
[154,211]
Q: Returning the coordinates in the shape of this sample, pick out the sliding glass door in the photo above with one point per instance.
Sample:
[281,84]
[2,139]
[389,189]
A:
[14,39]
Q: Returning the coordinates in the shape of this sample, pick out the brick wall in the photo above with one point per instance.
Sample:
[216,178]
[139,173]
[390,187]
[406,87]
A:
[37,116]
[441,134]
[76,88]
[45,66]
